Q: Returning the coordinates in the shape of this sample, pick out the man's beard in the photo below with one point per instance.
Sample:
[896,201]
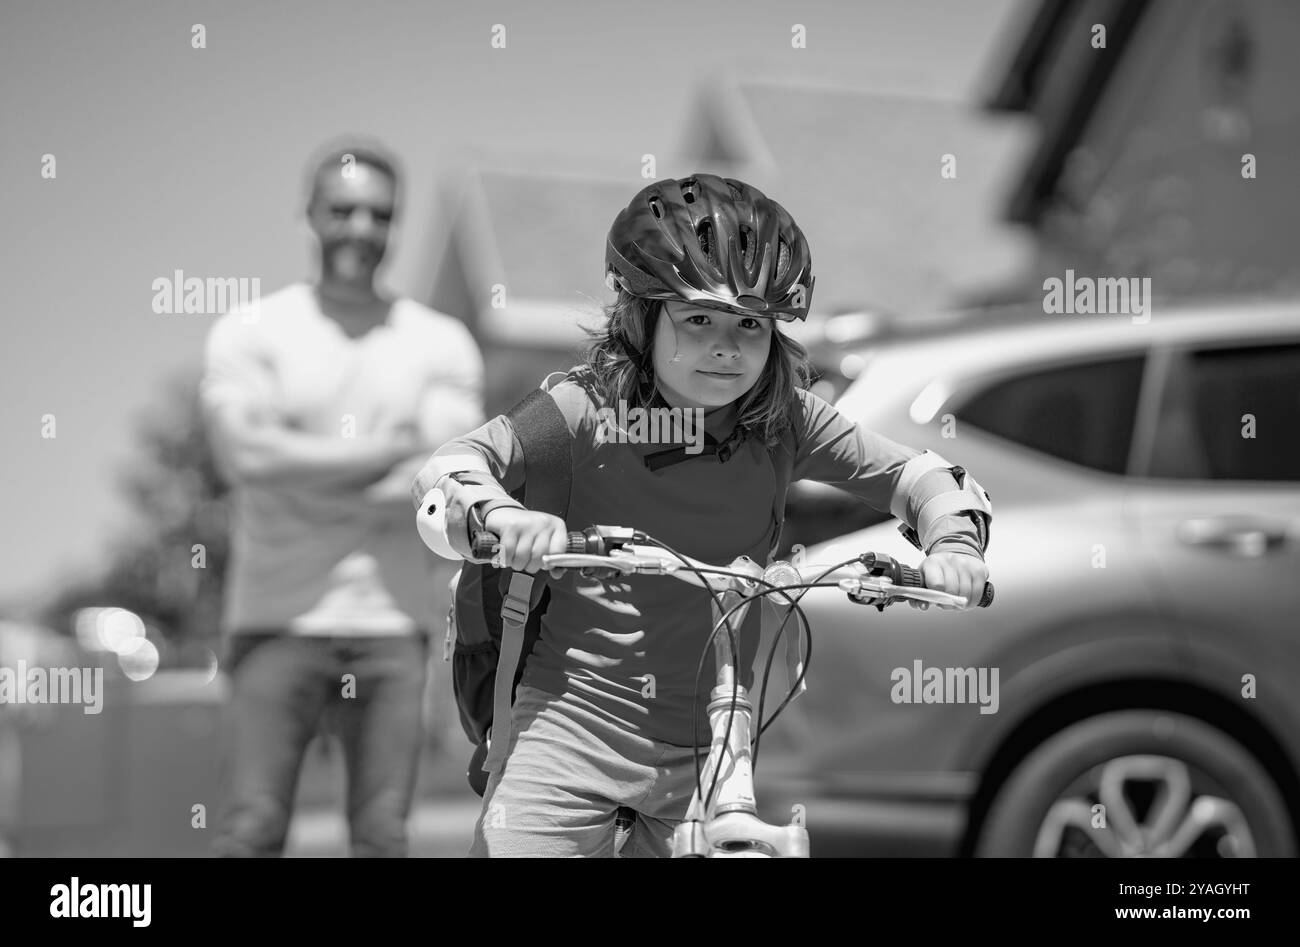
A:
[352,263]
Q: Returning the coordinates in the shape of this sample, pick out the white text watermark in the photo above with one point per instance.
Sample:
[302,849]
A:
[946,685]
[57,685]
[1106,295]
[104,900]
[212,295]
[657,425]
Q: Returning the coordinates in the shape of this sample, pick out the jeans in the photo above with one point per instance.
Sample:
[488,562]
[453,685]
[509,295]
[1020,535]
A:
[568,773]
[281,686]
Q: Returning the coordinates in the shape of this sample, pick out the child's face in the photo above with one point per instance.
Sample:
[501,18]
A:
[706,359]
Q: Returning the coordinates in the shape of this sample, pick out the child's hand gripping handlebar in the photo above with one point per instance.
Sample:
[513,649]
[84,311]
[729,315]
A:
[871,579]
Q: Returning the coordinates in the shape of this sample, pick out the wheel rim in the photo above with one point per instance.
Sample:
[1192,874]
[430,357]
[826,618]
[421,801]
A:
[1154,808]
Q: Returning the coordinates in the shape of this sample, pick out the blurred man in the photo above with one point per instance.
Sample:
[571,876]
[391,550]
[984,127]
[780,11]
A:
[322,403]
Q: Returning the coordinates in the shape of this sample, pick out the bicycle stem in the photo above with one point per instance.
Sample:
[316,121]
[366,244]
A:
[729,753]
[728,825]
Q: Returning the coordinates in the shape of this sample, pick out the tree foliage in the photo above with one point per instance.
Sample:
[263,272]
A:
[168,566]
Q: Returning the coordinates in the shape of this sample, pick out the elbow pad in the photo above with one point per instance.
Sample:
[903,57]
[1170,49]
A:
[969,498]
[442,465]
[443,518]
[431,524]
[431,512]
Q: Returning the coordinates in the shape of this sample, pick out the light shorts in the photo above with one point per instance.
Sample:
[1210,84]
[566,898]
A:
[567,773]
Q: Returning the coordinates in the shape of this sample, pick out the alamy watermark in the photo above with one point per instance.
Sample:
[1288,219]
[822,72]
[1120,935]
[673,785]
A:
[57,685]
[657,425]
[213,295]
[947,685]
[75,899]
[1106,295]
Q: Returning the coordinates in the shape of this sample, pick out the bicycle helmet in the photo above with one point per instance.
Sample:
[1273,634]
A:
[715,242]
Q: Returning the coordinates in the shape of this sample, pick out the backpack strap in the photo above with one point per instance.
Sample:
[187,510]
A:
[783,462]
[548,476]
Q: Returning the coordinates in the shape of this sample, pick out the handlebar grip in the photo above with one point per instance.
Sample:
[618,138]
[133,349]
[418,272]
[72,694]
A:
[485,540]
[483,543]
[909,576]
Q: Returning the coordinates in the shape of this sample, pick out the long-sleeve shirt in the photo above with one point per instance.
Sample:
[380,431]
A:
[628,647]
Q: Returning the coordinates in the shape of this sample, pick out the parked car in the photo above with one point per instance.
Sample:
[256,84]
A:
[839,349]
[1145,549]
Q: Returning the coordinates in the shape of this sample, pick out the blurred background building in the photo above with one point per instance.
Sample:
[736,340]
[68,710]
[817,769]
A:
[889,234]
[1139,162]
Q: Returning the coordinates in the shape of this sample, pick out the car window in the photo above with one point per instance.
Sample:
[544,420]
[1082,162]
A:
[1203,429]
[1082,412]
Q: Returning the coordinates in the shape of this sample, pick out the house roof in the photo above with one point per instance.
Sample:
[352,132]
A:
[550,230]
[540,234]
[860,172]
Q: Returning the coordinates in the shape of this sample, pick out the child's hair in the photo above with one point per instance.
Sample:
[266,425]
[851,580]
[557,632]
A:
[764,410]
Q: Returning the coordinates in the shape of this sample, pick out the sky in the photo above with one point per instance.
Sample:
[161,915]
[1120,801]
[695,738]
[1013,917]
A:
[170,157]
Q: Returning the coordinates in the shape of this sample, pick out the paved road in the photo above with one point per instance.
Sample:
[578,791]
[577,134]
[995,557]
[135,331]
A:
[440,828]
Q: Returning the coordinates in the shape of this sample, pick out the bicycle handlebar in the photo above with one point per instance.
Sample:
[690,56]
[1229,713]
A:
[727,824]
[616,549]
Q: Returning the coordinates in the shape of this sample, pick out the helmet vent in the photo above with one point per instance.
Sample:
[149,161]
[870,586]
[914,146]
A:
[707,242]
[782,259]
[688,191]
[656,208]
[748,246]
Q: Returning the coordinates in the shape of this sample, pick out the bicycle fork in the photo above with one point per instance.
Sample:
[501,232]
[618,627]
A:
[729,826]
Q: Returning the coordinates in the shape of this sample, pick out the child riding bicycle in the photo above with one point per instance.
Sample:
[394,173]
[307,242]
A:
[603,720]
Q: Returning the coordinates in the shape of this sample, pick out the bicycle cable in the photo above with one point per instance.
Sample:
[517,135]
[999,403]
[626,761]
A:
[726,613]
[793,607]
[767,671]
[695,706]
[725,618]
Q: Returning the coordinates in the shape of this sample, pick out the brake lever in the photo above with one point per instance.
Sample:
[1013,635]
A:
[880,601]
[862,591]
[596,567]
[882,592]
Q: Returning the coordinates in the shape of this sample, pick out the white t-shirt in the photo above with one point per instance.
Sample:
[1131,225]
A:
[300,562]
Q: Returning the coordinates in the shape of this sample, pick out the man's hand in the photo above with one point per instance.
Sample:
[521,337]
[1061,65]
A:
[955,573]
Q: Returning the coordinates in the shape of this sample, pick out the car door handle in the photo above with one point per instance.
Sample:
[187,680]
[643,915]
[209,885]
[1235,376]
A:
[1240,536]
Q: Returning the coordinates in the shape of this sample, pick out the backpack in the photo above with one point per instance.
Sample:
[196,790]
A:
[492,638]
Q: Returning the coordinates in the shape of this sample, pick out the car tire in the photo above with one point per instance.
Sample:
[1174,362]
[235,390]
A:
[1049,803]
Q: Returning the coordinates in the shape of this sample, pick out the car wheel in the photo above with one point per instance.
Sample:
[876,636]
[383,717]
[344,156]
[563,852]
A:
[1138,783]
